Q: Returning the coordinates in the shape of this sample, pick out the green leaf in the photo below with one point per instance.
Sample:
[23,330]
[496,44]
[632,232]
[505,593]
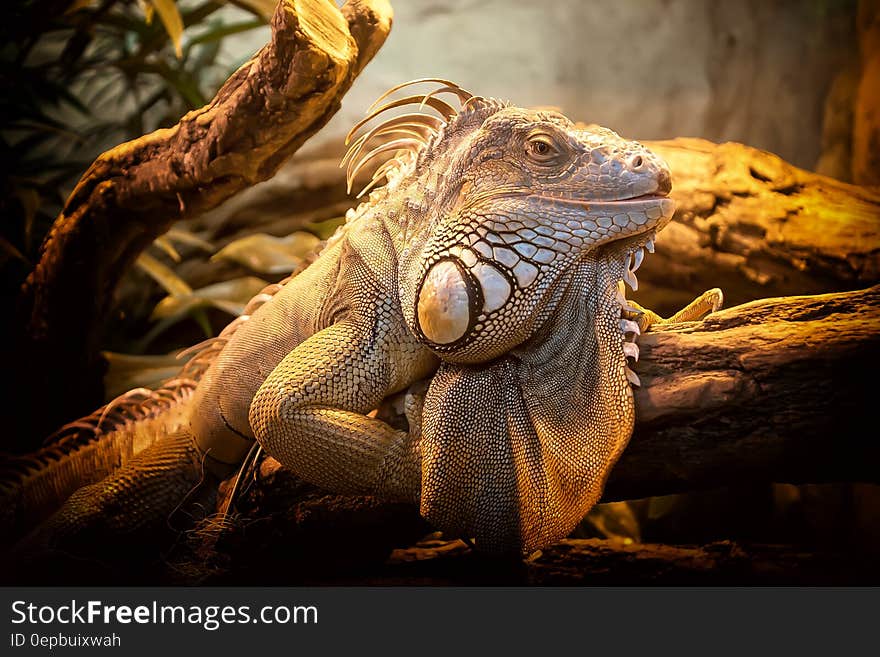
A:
[65,95]
[190,239]
[270,255]
[615,520]
[162,242]
[148,10]
[221,31]
[76,5]
[662,505]
[100,88]
[163,275]
[229,296]
[205,57]
[8,248]
[47,124]
[201,318]
[325,229]
[180,81]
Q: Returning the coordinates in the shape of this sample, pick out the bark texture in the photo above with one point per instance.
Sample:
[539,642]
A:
[597,562]
[774,390]
[134,192]
[755,226]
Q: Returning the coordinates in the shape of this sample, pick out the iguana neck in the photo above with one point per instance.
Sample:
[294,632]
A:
[578,350]
[404,209]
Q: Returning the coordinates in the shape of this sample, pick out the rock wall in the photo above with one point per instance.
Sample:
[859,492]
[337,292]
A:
[866,113]
[756,72]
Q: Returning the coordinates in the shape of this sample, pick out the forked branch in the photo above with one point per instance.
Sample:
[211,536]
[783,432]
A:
[134,192]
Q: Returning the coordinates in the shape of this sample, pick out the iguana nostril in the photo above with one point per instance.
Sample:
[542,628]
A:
[636,162]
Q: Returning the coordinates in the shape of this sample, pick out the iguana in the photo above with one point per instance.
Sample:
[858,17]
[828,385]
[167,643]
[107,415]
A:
[489,264]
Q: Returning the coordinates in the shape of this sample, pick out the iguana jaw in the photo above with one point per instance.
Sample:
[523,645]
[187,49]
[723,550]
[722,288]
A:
[614,229]
[618,262]
[630,249]
[641,204]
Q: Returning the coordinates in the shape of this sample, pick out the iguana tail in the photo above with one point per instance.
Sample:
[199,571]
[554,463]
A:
[85,451]
[134,505]
[133,456]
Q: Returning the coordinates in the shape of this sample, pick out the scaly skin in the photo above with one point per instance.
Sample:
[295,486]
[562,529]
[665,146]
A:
[490,262]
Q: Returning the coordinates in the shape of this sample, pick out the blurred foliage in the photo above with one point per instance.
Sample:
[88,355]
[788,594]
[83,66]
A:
[259,253]
[81,76]
[126,371]
[270,255]
[610,520]
[229,296]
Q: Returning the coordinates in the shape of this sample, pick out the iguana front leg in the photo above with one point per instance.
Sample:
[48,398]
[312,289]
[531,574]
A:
[311,412]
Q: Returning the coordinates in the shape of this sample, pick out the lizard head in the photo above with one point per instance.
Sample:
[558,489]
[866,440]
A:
[536,193]
[500,202]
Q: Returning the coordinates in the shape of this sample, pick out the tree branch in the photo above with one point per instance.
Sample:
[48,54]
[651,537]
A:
[755,226]
[134,192]
[774,390]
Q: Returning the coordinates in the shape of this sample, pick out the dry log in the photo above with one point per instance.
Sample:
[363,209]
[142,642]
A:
[755,226]
[597,562]
[774,390]
[134,192]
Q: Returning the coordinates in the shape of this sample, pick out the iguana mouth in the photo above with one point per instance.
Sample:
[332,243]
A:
[659,209]
[645,201]
[630,252]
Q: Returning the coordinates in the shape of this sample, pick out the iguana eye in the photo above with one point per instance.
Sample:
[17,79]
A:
[542,149]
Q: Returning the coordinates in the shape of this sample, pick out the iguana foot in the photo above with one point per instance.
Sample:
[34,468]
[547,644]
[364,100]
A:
[708,302]
[636,319]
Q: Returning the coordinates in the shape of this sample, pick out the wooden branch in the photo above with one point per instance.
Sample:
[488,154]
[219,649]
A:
[600,562]
[775,390]
[755,226]
[134,192]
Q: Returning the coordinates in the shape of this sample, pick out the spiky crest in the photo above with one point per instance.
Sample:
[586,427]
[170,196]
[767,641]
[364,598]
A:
[415,133]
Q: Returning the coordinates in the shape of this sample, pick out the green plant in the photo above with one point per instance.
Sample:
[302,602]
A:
[83,75]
